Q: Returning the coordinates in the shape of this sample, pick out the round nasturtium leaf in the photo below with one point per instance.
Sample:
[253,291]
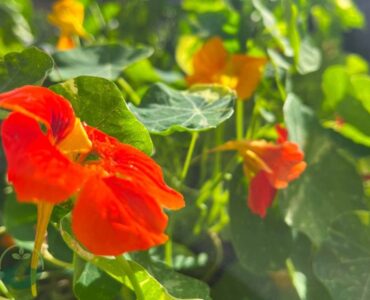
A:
[261,244]
[328,187]
[107,61]
[343,261]
[99,103]
[165,110]
[31,66]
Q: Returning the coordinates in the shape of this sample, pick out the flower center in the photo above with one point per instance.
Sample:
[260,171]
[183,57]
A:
[76,142]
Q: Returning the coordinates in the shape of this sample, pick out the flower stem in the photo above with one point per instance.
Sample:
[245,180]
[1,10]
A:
[219,139]
[131,276]
[239,119]
[5,291]
[134,97]
[252,123]
[44,210]
[50,258]
[219,254]
[185,169]
[168,247]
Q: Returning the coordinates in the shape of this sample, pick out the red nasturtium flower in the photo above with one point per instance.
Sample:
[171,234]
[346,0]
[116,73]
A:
[51,155]
[269,166]
[212,64]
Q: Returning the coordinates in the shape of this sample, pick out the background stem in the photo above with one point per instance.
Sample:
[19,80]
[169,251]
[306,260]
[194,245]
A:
[189,155]
[239,119]
[131,276]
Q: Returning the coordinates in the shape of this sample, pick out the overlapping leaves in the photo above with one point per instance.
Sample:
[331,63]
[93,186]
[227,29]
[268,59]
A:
[106,61]
[150,286]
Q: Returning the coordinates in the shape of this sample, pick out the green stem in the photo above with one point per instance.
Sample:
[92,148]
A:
[219,254]
[5,291]
[239,119]
[168,247]
[279,83]
[44,210]
[50,258]
[219,135]
[98,14]
[252,123]
[129,90]
[203,157]
[131,276]
[189,155]
[168,250]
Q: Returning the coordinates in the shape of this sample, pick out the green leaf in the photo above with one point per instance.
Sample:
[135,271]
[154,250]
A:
[187,45]
[244,285]
[165,110]
[361,89]
[349,15]
[3,114]
[355,64]
[151,288]
[261,245]
[272,26]
[309,57]
[204,6]
[356,121]
[89,282]
[300,269]
[335,83]
[57,247]
[343,261]
[328,187]
[19,218]
[142,71]
[31,66]
[277,59]
[177,284]
[346,138]
[107,61]
[99,103]
[14,27]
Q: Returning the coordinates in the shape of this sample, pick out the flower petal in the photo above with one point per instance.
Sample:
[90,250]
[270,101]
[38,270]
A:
[249,71]
[285,161]
[36,168]
[65,42]
[68,16]
[128,162]
[114,215]
[209,61]
[261,194]
[43,105]
[282,134]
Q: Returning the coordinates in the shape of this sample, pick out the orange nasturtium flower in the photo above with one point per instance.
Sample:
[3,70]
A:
[120,191]
[269,166]
[68,16]
[212,64]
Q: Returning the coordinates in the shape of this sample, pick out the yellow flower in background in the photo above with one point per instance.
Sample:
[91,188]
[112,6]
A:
[212,64]
[68,16]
